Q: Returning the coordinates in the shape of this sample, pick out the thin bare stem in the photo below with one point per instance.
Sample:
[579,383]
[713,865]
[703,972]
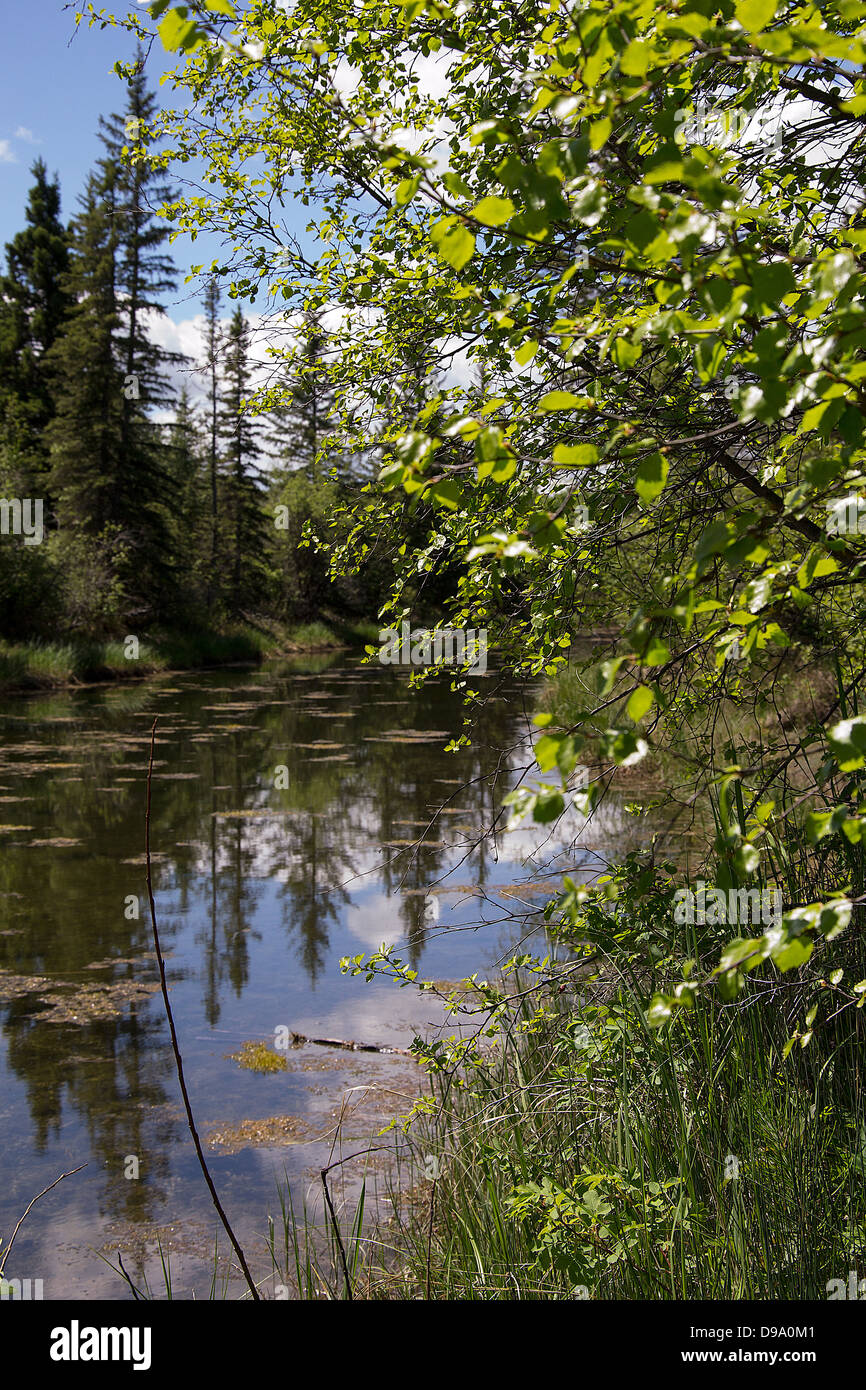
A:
[30,1205]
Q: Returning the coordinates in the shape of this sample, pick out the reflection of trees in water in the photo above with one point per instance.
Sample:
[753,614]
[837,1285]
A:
[232,897]
[310,903]
[110,1072]
[67,906]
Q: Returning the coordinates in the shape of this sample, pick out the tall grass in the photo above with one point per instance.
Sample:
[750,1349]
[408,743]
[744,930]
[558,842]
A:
[45,664]
[592,1158]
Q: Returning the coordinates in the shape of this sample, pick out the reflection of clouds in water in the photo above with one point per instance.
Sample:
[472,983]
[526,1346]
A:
[376,1013]
[375,920]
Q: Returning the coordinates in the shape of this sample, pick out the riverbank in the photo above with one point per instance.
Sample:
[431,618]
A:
[27,666]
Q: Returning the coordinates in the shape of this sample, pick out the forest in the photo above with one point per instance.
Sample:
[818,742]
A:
[570,354]
[159,515]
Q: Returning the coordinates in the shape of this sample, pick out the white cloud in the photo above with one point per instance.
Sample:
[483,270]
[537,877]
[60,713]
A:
[7,154]
[22,133]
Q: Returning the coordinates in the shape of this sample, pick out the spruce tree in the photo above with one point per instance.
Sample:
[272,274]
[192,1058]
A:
[190,533]
[86,378]
[144,273]
[242,509]
[303,488]
[110,461]
[33,302]
[212,345]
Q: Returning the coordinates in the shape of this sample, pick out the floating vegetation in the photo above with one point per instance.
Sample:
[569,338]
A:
[62,1001]
[276,1129]
[228,707]
[539,888]
[257,1056]
[417,733]
[407,736]
[57,842]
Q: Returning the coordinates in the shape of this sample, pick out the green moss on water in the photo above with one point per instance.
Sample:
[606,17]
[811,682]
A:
[257,1056]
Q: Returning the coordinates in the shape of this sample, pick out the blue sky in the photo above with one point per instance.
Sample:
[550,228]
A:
[55,82]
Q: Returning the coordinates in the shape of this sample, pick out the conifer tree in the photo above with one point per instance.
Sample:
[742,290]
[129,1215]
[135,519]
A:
[87,382]
[243,514]
[212,344]
[33,302]
[145,273]
[109,460]
[190,538]
[304,488]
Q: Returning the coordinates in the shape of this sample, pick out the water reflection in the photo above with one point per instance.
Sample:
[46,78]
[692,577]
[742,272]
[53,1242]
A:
[299,814]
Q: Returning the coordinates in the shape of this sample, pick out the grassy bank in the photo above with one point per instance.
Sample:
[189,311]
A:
[330,633]
[46,665]
[584,1155]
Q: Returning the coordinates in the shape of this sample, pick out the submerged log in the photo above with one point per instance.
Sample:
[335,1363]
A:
[298,1040]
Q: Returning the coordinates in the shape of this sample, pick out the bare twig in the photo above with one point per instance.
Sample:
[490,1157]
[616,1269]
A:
[30,1205]
[178,1061]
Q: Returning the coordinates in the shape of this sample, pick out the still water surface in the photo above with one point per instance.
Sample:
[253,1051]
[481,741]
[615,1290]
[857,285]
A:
[261,888]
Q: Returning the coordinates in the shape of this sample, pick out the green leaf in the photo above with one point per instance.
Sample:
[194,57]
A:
[575,455]
[560,400]
[446,493]
[549,805]
[639,702]
[179,33]
[493,211]
[406,190]
[623,746]
[526,352]
[454,243]
[652,474]
[793,953]
[771,283]
[625,353]
[755,14]
[635,60]
[599,132]
[657,653]
[848,744]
